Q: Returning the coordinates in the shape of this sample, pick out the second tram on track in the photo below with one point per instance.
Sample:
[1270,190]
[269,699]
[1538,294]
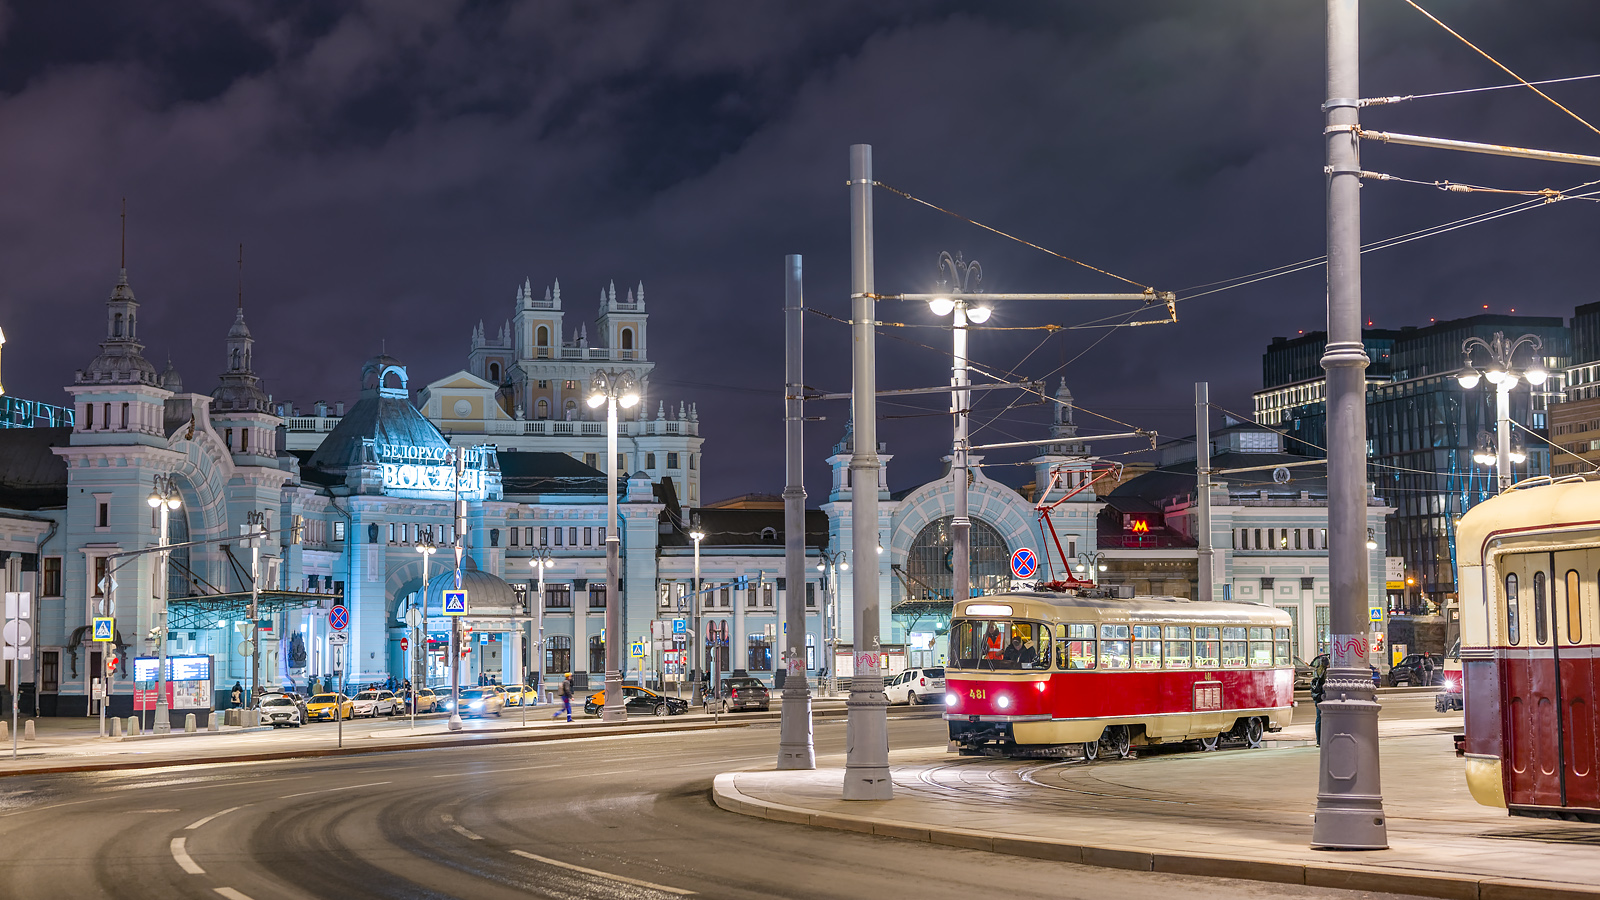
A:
[1079,673]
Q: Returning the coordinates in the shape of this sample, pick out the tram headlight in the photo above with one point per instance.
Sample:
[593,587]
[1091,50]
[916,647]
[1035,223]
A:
[1039,685]
[950,699]
[1002,701]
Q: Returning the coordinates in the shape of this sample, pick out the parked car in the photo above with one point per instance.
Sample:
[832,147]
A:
[427,700]
[639,702]
[1408,671]
[376,703]
[744,693]
[330,707]
[1377,680]
[478,701]
[1303,674]
[299,700]
[915,686]
[280,710]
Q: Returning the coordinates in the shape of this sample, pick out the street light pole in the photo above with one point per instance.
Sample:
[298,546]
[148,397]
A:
[696,641]
[612,388]
[1349,812]
[541,560]
[256,525]
[419,674]
[1501,373]
[964,276]
[163,497]
[866,773]
[459,460]
[795,750]
[831,565]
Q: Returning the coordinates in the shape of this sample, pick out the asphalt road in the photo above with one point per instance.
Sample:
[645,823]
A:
[592,818]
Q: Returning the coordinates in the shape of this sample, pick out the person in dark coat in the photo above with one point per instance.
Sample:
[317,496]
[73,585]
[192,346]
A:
[1319,682]
[237,697]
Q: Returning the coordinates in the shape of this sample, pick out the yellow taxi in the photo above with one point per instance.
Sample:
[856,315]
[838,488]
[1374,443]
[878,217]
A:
[518,694]
[329,707]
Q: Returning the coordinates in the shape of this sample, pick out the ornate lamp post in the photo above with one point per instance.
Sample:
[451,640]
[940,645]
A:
[419,673]
[695,640]
[613,388]
[964,277]
[831,565]
[163,497]
[1501,373]
[540,561]
[1089,564]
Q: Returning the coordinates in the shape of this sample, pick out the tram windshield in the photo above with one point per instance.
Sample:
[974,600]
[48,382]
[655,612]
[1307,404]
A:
[999,644]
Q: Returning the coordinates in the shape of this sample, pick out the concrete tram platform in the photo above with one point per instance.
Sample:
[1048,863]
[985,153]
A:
[1232,813]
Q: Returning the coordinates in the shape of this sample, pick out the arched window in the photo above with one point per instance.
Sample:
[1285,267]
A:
[928,562]
[1541,619]
[558,655]
[494,372]
[769,533]
[627,338]
[116,325]
[541,336]
[572,410]
[544,408]
[1513,619]
[597,654]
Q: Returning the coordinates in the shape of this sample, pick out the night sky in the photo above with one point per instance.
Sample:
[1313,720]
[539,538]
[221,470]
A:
[396,169]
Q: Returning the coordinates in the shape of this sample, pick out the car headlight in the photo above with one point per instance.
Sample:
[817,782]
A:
[477,704]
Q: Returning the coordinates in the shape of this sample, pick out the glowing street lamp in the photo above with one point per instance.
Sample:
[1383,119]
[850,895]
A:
[611,389]
[163,497]
[1503,374]
[964,277]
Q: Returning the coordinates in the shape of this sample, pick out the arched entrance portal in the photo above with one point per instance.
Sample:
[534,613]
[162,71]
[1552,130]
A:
[928,562]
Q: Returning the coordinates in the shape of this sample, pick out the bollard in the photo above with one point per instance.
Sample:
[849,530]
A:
[133,726]
[5,730]
[212,721]
[188,724]
[27,730]
[116,728]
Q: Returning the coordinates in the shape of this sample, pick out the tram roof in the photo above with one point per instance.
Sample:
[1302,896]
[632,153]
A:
[1143,609]
[1539,505]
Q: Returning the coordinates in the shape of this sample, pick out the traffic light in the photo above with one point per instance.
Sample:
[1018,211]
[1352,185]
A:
[111,664]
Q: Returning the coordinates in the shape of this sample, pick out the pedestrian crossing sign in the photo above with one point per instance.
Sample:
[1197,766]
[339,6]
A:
[455,603]
[105,629]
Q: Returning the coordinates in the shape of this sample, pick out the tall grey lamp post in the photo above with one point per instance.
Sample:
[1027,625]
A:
[1502,374]
[964,277]
[458,461]
[1349,813]
[540,561]
[613,388]
[696,640]
[256,528]
[1089,563]
[419,673]
[163,497]
[795,749]
[831,565]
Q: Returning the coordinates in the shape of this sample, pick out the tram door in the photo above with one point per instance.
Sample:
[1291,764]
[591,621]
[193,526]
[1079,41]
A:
[1574,605]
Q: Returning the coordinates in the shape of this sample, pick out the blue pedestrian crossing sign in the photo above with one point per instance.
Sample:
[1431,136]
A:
[1024,563]
[455,603]
[636,649]
[105,629]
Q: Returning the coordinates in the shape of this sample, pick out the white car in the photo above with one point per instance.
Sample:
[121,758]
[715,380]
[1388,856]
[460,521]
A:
[374,704]
[915,686]
[281,710]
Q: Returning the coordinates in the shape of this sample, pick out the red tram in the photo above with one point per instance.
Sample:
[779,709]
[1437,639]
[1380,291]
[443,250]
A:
[1529,566]
[1080,672]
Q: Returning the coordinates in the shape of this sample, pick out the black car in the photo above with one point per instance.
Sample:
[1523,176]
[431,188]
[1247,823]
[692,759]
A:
[639,702]
[1409,671]
[1322,658]
[744,693]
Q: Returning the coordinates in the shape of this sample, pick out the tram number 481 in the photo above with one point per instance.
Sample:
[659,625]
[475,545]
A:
[976,693]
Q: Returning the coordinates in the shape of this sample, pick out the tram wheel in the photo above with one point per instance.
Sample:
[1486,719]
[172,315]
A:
[1254,730]
[1091,751]
[1121,741]
[1210,743]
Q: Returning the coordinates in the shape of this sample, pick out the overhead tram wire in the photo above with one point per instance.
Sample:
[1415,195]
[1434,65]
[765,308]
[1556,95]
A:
[1385,101]
[1593,467]
[1375,465]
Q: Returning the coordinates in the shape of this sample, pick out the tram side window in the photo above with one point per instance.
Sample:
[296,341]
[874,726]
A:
[1513,619]
[1235,646]
[1207,647]
[1028,647]
[1114,647]
[1177,649]
[1541,623]
[1076,646]
[1147,646]
[1283,655]
[1260,647]
[1574,605]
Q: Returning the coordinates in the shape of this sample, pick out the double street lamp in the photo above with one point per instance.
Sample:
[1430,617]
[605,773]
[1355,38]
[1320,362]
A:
[838,561]
[963,277]
[696,641]
[419,673]
[164,498]
[611,389]
[540,561]
[1090,562]
[1502,373]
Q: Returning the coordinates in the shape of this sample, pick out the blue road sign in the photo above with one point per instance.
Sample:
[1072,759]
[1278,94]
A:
[1024,563]
[105,628]
[455,603]
[680,626]
[338,618]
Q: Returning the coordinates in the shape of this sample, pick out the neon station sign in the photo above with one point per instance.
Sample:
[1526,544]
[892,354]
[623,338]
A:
[429,469]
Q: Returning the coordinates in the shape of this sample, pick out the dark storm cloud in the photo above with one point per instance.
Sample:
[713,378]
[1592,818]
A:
[396,169]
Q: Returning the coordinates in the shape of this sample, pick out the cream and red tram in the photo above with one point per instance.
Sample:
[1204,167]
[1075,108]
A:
[1528,569]
[1091,674]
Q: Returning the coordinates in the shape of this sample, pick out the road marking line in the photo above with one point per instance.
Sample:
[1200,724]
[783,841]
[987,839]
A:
[184,860]
[348,787]
[606,875]
[231,894]
[451,821]
[493,771]
[209,818]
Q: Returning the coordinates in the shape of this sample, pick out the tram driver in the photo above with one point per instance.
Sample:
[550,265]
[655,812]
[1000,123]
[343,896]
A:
[1019,654]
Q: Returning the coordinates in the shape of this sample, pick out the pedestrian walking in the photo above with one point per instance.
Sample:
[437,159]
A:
[566,698]
[1319,681]
[1427,670]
